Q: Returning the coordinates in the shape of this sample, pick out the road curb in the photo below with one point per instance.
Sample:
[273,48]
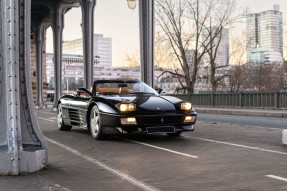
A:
[243,113]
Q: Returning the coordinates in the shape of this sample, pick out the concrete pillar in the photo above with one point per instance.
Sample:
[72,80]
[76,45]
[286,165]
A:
[88,7]
[146,16]
[23,147]
[57,25]
[39,34]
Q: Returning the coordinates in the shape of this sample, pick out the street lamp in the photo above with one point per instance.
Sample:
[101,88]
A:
[132,4]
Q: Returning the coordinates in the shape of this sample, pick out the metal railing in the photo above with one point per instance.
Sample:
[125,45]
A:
[249,100]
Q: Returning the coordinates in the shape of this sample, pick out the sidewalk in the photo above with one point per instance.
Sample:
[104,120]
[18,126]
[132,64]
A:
[244,112]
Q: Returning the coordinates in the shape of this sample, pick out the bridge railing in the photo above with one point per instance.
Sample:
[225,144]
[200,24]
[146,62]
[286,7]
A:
[244,99]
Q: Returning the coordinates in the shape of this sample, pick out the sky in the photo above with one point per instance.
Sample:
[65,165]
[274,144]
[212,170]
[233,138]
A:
[114,19]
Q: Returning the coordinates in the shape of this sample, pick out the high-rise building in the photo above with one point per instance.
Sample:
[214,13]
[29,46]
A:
[265,30]
[220,44]
[102,49]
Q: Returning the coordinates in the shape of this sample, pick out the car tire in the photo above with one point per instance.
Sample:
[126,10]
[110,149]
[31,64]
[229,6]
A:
[176,134]
[95,124]
[60,120]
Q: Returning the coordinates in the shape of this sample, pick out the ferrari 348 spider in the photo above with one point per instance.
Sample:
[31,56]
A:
[124,106]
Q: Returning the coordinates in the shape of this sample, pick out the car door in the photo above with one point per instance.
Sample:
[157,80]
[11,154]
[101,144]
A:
[78,109]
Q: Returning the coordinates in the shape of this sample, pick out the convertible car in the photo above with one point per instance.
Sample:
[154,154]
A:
[124,106]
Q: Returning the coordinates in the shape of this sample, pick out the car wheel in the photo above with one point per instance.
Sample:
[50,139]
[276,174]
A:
[176,134]
[95,124]
[60,120]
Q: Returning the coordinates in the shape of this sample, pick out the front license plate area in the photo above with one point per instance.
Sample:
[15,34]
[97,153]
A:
[166,129]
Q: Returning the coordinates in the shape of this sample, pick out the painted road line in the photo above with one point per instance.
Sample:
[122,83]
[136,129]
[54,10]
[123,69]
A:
[46,119]
[116,172]
[277,177]
[271,128]
[47,112]
[237,145]
[164,149]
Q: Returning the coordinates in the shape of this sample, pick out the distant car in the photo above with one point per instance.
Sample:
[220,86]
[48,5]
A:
[121,106]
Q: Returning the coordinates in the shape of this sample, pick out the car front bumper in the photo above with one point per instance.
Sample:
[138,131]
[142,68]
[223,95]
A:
[111,124]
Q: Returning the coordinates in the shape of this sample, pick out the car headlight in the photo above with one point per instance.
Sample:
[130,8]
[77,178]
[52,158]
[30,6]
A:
[186,106]
[129,121]
[127,107]
[189,119]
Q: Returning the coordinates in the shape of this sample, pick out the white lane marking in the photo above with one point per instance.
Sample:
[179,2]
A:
[214,123]
[237,145]
[46,112]
[277,177]
[59,187]
[46,119]
[164,149]
[116,172]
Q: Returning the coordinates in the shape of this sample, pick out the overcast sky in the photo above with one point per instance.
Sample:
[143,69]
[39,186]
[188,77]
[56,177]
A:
[114,19]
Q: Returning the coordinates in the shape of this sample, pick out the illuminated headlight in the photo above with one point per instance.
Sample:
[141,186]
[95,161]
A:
[186,106]
[189,119]
[129,121]
[127,107]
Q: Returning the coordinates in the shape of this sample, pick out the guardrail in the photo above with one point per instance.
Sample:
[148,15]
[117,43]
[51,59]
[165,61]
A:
[249,100]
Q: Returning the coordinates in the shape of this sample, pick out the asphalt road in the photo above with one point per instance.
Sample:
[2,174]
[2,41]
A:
[280,123]
[215,156]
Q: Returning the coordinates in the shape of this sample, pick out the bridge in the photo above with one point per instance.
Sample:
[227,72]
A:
[225,152]
[23,147]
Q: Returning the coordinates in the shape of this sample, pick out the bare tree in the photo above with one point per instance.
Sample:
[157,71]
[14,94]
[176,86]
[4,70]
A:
[239,78]
[223,14]
[267,77]
[181,23]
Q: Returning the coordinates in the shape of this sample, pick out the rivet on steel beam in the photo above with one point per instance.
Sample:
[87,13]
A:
[15,48]
[10,117]
[12,159]
[10,103]
[9,90]
[9,34]
[9,75]
[12,148]
[8,21]
[8,7]
[11,130]
[16,103]
[9,62]
[9,48]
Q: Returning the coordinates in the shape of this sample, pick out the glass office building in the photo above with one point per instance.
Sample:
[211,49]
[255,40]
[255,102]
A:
[265,30]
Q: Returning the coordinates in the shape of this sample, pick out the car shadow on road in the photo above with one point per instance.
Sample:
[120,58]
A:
[141,137]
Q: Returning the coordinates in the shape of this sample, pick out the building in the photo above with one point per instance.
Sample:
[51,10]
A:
[102,49]
[265,30]
[73,73]
[258,56]
[220,45]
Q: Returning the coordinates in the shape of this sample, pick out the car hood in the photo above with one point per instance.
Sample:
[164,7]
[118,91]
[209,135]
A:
[148,103]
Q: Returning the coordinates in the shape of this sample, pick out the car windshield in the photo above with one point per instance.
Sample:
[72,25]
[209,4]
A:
[124,88]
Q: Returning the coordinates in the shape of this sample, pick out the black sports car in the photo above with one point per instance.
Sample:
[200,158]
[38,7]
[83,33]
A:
[124,106]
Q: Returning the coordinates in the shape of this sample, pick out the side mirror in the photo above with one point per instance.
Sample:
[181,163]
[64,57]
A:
[84,90]
[161,90]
